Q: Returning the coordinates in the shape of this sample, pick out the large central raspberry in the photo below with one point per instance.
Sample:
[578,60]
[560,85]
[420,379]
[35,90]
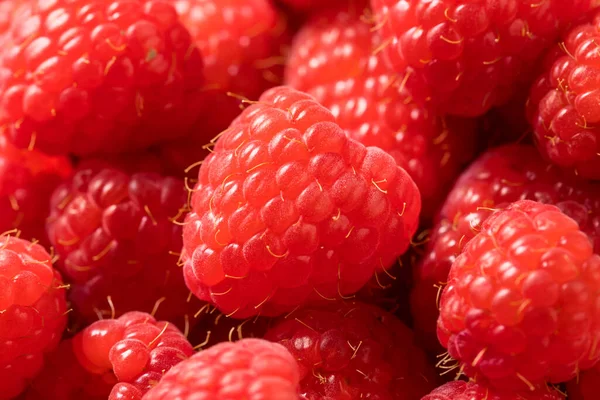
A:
[287,209]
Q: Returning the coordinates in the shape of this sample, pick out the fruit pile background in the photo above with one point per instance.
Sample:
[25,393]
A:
[299,199]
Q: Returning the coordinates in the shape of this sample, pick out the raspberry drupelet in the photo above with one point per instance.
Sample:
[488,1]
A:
[586,385]
[250,369]
[32,312]
[353,350]
[98,76]
[466,56]
[119,238]
[498,177]
[288,210]
[460,390]
[520,307]
[27,179]
[334,59]
[563,105]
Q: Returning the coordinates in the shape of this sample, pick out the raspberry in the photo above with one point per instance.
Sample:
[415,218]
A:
[564,103]
[460,390]
[334,58]
[520,306]
[98,76]
[500,176]
[288,210]
[33,312]
[352,350]
[310,6]
[251,369]
[466,56]
[118,243]
[27,179]
[586,385]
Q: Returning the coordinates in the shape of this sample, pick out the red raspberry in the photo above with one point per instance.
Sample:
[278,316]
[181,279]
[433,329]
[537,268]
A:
[460,390]
[251,369]
[500,176]
[466,56]
[27,179]
[586,385]
[564,103]
[98,76]
[117,235]
[352,350]
[312,6]
[334,58]
[520,305]
[288,210]
[33,316]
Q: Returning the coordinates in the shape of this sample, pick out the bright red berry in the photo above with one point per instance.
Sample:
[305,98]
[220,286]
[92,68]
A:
[335,59]
[466,56]
[352,350]
[520,307]
[32,312]
[586,385]
[98,76]
[250,369]
[288,210]
[27,179]
[459,390]
[499,177]
[564,104]
[118,240]
[312,6]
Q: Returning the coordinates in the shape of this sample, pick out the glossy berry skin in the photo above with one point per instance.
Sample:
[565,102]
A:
[460,390]
[585,386]
[465,57]
[498,177]
[117,235]
[32,312]
[27,179]
[334,58]
[98,76]
[352,350]
[288,210]
[520,307]
[250,369]
[563,104]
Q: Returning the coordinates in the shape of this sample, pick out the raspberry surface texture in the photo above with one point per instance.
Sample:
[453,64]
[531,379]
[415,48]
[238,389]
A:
[460,390]
[585,386]
[27,179]
[32,312]
[352,350]
[118,239]
[466,56]
[520,307]
[564,106]
[250,369]
[335,59]
[98,76]
[288,210]
[498,177]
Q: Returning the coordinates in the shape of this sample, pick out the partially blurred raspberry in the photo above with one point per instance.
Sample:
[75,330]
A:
[32,312]
[251,369]
[520,307]
[288,210]
[586,385]
[460,390]
[119,239]
[335,59]
[352,350]
[466,56]
[98,76]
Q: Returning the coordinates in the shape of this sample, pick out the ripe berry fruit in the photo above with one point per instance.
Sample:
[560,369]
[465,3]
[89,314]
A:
[334,58]
[252,369]
[520,307]
[586,385]
[118,241]
[466,56]
[459,390]
[352,350]
[97,76]
[32,312]
[564,104]
[288,210]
